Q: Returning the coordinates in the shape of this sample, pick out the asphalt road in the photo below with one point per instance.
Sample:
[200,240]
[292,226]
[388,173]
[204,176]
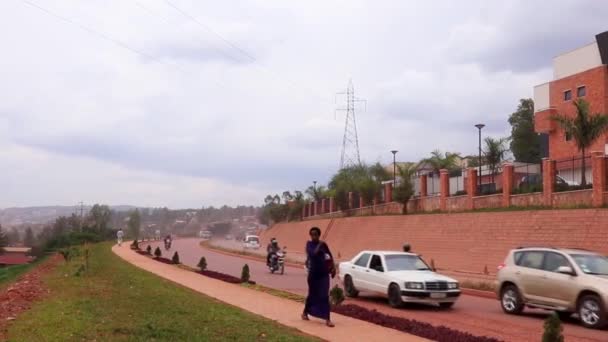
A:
[478,316]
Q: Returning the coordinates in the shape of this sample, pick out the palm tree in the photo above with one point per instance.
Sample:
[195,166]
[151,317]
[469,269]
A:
[404,188]
[584,128]
[439,160]
[494,154]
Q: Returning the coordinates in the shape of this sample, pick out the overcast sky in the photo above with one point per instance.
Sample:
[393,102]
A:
[133,102]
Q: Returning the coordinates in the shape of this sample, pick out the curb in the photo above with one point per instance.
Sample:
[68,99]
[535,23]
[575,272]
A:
[478,293]
[248,257]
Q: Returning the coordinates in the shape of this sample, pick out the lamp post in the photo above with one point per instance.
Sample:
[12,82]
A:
[394,152]
[479,127]
[314,189]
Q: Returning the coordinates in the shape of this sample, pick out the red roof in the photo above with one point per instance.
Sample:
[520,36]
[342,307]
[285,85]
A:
[14,259]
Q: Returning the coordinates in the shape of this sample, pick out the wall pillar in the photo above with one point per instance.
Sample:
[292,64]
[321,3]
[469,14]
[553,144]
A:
[360,201]
[471,187]
[444,189]
[323,206]
[332,205]
[548,181]
[507,184]
[598,165]
[304,211]
[423,192]
[388,192]
[351,200]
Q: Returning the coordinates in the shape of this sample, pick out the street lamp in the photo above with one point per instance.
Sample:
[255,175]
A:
[479,127]
[314,189]
[394,152]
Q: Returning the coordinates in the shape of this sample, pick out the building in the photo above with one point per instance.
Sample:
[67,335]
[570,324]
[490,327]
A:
[11,256]
[580,73]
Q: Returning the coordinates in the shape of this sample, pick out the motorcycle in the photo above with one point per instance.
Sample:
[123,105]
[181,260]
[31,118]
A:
[277,262]
[167,244]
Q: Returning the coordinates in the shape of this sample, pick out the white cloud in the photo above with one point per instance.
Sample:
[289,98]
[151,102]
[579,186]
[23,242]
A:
[208,125]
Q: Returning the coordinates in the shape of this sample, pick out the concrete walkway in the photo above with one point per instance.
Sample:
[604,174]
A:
[283,311]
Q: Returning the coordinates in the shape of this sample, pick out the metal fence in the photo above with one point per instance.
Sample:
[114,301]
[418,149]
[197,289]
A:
[432,184]
[527,178]
[457,184]
[573,173]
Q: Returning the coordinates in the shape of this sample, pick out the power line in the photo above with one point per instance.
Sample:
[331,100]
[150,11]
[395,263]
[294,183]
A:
[110,39]
[237,48]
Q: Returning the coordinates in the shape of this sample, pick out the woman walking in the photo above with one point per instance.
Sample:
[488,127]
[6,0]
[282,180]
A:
[320,265]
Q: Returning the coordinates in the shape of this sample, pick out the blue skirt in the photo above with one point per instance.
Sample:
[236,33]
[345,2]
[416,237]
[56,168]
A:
[317,301]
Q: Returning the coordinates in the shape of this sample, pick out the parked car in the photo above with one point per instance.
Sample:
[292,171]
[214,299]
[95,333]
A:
[402,277]
[537,179]
[563,280]
[251,242]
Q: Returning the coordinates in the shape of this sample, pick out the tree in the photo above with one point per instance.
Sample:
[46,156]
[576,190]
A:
[404,189]
[553,329]
[13,236]
[157,252]
[3,239]
[202,264]
[100,217]
[245,274]
[29,239]
[175,258]
[584,128]
[494,154]
[439,160]
[134,224]
[525,144]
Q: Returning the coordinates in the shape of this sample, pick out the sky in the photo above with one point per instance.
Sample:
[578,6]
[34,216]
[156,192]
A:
[185,103]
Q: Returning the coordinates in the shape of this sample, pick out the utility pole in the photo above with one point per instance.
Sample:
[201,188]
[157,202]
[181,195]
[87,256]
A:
[350,141]
[81,214]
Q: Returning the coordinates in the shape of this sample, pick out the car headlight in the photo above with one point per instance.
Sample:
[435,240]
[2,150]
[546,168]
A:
[412,285]
[452,286]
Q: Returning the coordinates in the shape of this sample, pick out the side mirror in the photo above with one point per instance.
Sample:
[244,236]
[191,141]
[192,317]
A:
[566,270]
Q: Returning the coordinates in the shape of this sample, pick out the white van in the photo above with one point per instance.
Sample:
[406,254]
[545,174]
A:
[252,242]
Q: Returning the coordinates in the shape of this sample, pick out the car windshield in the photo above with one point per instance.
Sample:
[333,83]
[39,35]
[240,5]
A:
[592,263]
[400,262]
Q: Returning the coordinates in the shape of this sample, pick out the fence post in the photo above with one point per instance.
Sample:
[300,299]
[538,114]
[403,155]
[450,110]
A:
[332,205]
[304,211]
[444,189]
[598,167]
[388,192]
[351,201]
[507,184]
[471,187]
[423,192]
[548,181]
[360,201]
[323,206]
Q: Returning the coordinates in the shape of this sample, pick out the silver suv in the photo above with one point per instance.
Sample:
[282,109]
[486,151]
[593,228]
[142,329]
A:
[563,280]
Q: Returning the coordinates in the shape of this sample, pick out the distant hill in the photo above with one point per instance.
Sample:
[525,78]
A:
[41,215]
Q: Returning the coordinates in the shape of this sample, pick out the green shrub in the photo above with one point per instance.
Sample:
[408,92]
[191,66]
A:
[553,329]
[336,295]
[175,258]
[149,249]
[80,270]
[157,252]
[245,274]
[65,253]
[202,264]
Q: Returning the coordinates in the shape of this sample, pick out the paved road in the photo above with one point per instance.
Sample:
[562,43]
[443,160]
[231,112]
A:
[476,315]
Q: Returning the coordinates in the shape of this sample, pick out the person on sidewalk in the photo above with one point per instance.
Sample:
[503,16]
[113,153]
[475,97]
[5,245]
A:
[119,236]
[320,265]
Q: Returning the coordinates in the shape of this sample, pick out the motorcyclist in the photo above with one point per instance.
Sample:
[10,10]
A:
[272,249]
[168,241]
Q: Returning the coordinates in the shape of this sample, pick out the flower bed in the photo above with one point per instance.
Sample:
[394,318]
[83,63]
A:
[224,277]
[421,329]
[164,260]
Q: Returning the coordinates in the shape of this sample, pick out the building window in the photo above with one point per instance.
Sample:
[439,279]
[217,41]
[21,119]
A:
[568,136]
[568,95]
[581,91]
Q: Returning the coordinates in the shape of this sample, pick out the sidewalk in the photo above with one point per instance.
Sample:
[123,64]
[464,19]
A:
[283,311]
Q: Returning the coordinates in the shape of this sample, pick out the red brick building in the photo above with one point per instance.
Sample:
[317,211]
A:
[580,73]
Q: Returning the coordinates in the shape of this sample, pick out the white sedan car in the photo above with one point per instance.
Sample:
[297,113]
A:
[403,277]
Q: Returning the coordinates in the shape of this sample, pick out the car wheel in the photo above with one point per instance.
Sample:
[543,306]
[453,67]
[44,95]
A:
[349,287]
[446,305]
[511,301]
[394,296]
[591,312]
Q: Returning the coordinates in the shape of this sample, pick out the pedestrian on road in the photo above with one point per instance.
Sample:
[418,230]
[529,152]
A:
[320,265]
[119,236]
